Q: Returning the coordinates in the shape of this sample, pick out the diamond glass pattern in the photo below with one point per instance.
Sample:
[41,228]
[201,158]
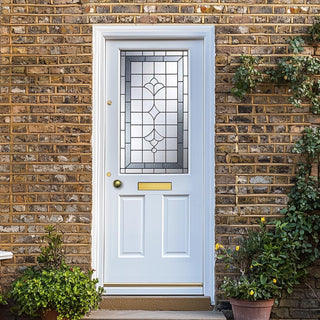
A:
[154,112]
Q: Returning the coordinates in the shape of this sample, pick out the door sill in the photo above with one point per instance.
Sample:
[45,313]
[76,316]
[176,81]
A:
[154,290]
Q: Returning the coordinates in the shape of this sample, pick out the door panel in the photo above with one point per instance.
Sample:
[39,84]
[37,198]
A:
[131,226]
[154,134]
[176,226]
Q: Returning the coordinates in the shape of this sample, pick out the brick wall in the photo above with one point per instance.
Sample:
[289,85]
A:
[45,119]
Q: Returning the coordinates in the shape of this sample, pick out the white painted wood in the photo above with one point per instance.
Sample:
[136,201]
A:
[4,255]
[153,266]
[176,226]
[209,162]
[131,227]
[163,291]
[98,148]
[103,33]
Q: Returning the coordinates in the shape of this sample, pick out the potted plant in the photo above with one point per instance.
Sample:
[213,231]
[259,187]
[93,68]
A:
[53,289]
[261,267]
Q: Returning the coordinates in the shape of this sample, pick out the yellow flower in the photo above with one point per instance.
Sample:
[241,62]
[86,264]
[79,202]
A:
[263,219]
[274,280]
[251,266]
[217,246]
[251,293]
[237,248]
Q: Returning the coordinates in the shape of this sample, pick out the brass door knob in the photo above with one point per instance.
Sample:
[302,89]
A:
[117,183]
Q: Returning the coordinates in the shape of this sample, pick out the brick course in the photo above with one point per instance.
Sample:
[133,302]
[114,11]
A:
[45,120]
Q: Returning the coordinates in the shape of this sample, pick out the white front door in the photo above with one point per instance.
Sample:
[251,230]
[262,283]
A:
[153,130]
[154,160]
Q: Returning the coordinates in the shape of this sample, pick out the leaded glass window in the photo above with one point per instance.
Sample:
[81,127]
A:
[154,111]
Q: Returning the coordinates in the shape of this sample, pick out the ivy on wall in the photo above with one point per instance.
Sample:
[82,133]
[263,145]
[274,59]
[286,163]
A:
[299,228]
[298,72]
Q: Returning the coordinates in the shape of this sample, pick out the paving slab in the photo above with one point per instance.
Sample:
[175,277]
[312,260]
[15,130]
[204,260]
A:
[154,315]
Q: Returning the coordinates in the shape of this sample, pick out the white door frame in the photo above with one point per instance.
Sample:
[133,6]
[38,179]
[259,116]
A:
[101,33]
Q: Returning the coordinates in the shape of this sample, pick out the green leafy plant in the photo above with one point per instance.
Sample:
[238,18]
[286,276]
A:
[245,288]
[305,194]
[270,261]
[299,233]
[267,263]
[309,146]
[247,76]
[295,44]
[3,300]
[302,214]
[314,31]
[263,265]
[299,73]
[52,254]
[279,258]
[54,285]
[69,291]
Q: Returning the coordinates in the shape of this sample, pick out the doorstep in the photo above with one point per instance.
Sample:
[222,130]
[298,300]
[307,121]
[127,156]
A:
[157,303]
[154,315]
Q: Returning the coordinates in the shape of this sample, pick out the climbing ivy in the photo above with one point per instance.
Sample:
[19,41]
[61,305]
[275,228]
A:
[298,72]
[309,146]
[299,228]
[305,194]
[296,44]
[314,31]
[247,76]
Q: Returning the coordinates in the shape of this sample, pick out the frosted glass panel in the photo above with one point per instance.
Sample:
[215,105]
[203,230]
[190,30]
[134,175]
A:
[154,104]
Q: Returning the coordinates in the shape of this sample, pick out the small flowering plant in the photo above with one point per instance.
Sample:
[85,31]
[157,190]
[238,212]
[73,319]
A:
[54,285]
[260,266]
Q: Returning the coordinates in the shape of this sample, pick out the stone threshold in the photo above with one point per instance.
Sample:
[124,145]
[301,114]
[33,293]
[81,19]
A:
[154,315]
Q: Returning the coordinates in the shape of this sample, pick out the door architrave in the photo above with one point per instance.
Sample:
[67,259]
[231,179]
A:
[102,33]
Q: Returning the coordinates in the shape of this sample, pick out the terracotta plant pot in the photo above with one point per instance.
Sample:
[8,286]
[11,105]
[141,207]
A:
[50,315]
[251,310]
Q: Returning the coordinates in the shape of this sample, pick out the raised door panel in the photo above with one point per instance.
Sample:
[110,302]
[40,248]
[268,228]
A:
[131,226]
[176,226]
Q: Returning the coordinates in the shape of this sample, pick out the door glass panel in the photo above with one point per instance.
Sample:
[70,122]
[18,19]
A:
[154,112]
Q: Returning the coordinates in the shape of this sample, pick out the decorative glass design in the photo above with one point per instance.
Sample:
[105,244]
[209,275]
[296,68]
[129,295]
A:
[154,112]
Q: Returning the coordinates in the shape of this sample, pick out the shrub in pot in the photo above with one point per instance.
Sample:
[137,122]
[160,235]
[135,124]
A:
[53,285]
[264,264]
